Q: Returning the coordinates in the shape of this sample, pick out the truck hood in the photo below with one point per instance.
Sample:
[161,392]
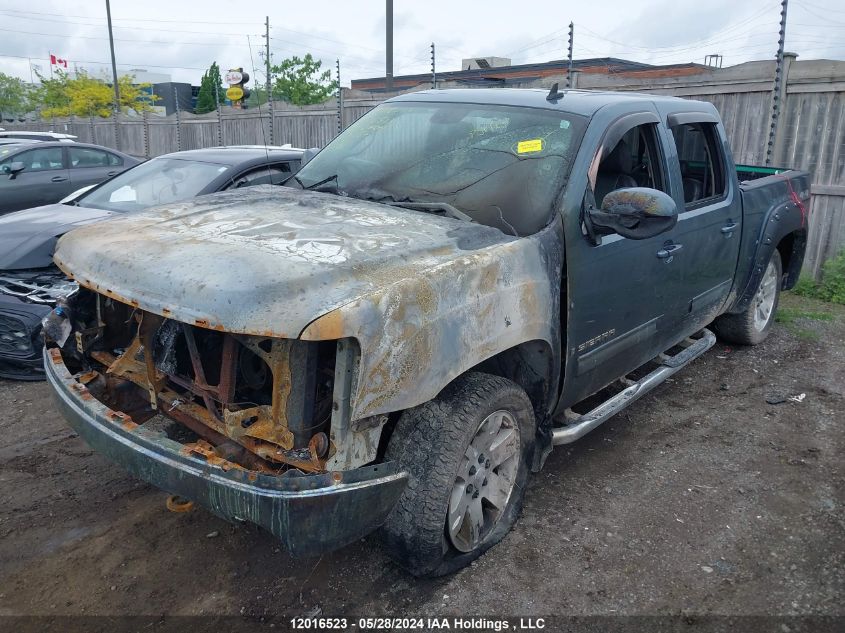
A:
[264,260]
[28,237]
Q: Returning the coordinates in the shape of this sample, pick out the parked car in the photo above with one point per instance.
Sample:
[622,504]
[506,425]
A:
[42,173]
[459,282]
[30,282]
[38,136]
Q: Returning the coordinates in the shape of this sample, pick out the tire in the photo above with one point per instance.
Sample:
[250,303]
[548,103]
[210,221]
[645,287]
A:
[438,444]
[752,326]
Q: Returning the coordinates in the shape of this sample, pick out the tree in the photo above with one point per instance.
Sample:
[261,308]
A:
[211,81]
[88,96]
[299,81]
[257,97]
[14,96]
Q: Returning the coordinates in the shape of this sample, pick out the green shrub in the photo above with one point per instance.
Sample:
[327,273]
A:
[831,287]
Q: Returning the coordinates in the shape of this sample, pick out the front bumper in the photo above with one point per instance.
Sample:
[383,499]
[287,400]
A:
[20,355]
[311,514]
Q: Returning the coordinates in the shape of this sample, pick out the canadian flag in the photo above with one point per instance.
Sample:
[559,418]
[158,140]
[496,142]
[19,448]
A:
[57,61]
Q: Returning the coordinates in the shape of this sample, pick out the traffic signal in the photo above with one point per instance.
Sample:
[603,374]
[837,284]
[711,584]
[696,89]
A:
[236,92]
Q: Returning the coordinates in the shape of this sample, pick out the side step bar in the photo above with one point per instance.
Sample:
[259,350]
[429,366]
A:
[582,424]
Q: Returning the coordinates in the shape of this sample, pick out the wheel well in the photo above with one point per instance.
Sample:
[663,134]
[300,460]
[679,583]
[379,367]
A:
[529,365]
[791,248]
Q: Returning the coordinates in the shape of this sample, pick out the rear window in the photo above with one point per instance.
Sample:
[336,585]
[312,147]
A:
[702,163]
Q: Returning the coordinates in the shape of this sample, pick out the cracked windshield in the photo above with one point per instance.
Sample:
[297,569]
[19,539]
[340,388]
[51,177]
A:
[495,165]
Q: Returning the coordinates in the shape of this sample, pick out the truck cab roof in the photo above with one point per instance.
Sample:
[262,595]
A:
[581,102]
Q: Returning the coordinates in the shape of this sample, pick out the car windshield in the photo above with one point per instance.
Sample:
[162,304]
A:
[157,181]
[501,166]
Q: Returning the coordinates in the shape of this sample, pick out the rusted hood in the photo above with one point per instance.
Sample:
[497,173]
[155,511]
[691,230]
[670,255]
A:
[264,260]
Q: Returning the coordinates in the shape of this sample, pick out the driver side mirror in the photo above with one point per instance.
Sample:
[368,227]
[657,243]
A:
[635,213]
[14,169]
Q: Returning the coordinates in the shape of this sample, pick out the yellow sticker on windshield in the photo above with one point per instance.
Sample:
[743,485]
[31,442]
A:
[528,147]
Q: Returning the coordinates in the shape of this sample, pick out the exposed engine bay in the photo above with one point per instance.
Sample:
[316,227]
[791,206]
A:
[264,404]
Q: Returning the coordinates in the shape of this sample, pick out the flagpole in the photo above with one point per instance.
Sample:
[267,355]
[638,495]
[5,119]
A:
[50,59]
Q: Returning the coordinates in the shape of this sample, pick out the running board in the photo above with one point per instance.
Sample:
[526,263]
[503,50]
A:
[580,425]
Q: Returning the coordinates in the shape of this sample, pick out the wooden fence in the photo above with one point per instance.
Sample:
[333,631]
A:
[810,133]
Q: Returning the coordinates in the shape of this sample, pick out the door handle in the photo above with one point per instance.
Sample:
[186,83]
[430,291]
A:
[728,229]
[111,173]
[58,178]
[668,251]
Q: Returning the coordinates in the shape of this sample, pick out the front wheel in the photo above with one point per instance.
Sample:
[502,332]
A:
[752,326]
[467,453]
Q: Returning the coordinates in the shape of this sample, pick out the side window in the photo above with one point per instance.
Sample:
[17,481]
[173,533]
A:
[114,160]
[42,159]
[81,157]
[702,162]
[269,175]
[635,161]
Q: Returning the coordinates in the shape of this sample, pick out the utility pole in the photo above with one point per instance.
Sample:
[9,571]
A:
[569,54]
[178,120]
[388,61]
[776,89]
[267,54]
[267,71]
[113,65]
[433,70]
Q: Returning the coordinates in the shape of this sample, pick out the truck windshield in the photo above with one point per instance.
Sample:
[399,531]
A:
[501,166]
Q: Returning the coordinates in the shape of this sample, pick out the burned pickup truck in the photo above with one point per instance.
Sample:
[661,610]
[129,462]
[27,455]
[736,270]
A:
[456,284]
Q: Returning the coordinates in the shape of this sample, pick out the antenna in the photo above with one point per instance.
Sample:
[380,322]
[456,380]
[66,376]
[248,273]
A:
[554,93]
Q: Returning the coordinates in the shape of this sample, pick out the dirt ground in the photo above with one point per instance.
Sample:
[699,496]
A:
[703,498]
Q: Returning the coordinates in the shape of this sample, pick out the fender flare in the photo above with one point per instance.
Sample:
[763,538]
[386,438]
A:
[781,220]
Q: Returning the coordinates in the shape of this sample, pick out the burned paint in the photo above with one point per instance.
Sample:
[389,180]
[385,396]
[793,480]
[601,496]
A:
[423,298]
[419,332]
[263,260]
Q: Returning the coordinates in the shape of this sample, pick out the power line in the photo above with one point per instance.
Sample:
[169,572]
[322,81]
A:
[125,28]
[94,17]
[117,39]
[82,61]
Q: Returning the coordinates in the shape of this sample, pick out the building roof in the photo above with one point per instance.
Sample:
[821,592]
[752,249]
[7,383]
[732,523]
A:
[503,75]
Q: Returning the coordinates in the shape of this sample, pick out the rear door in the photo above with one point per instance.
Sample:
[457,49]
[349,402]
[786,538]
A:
[44,180]
[90,166]
[709,219]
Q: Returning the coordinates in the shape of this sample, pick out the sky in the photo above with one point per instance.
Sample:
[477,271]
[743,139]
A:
[183,38]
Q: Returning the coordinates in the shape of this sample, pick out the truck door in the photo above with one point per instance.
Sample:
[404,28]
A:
[621,293]
[709,217]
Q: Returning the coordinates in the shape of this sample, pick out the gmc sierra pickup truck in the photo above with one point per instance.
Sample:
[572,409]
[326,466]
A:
[459,282]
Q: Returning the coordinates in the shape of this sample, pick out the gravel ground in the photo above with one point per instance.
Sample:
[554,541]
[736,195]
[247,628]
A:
[702,499]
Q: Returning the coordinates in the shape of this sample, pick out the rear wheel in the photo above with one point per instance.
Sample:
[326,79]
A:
[752,325]
[467,453]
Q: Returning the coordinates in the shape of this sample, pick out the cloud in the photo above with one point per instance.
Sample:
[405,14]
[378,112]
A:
[177,38]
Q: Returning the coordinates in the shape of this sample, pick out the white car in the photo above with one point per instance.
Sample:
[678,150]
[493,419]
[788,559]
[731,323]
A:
[38,136]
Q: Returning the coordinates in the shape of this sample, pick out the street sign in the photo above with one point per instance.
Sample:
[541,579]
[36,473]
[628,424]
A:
[234,93]
[234,77]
